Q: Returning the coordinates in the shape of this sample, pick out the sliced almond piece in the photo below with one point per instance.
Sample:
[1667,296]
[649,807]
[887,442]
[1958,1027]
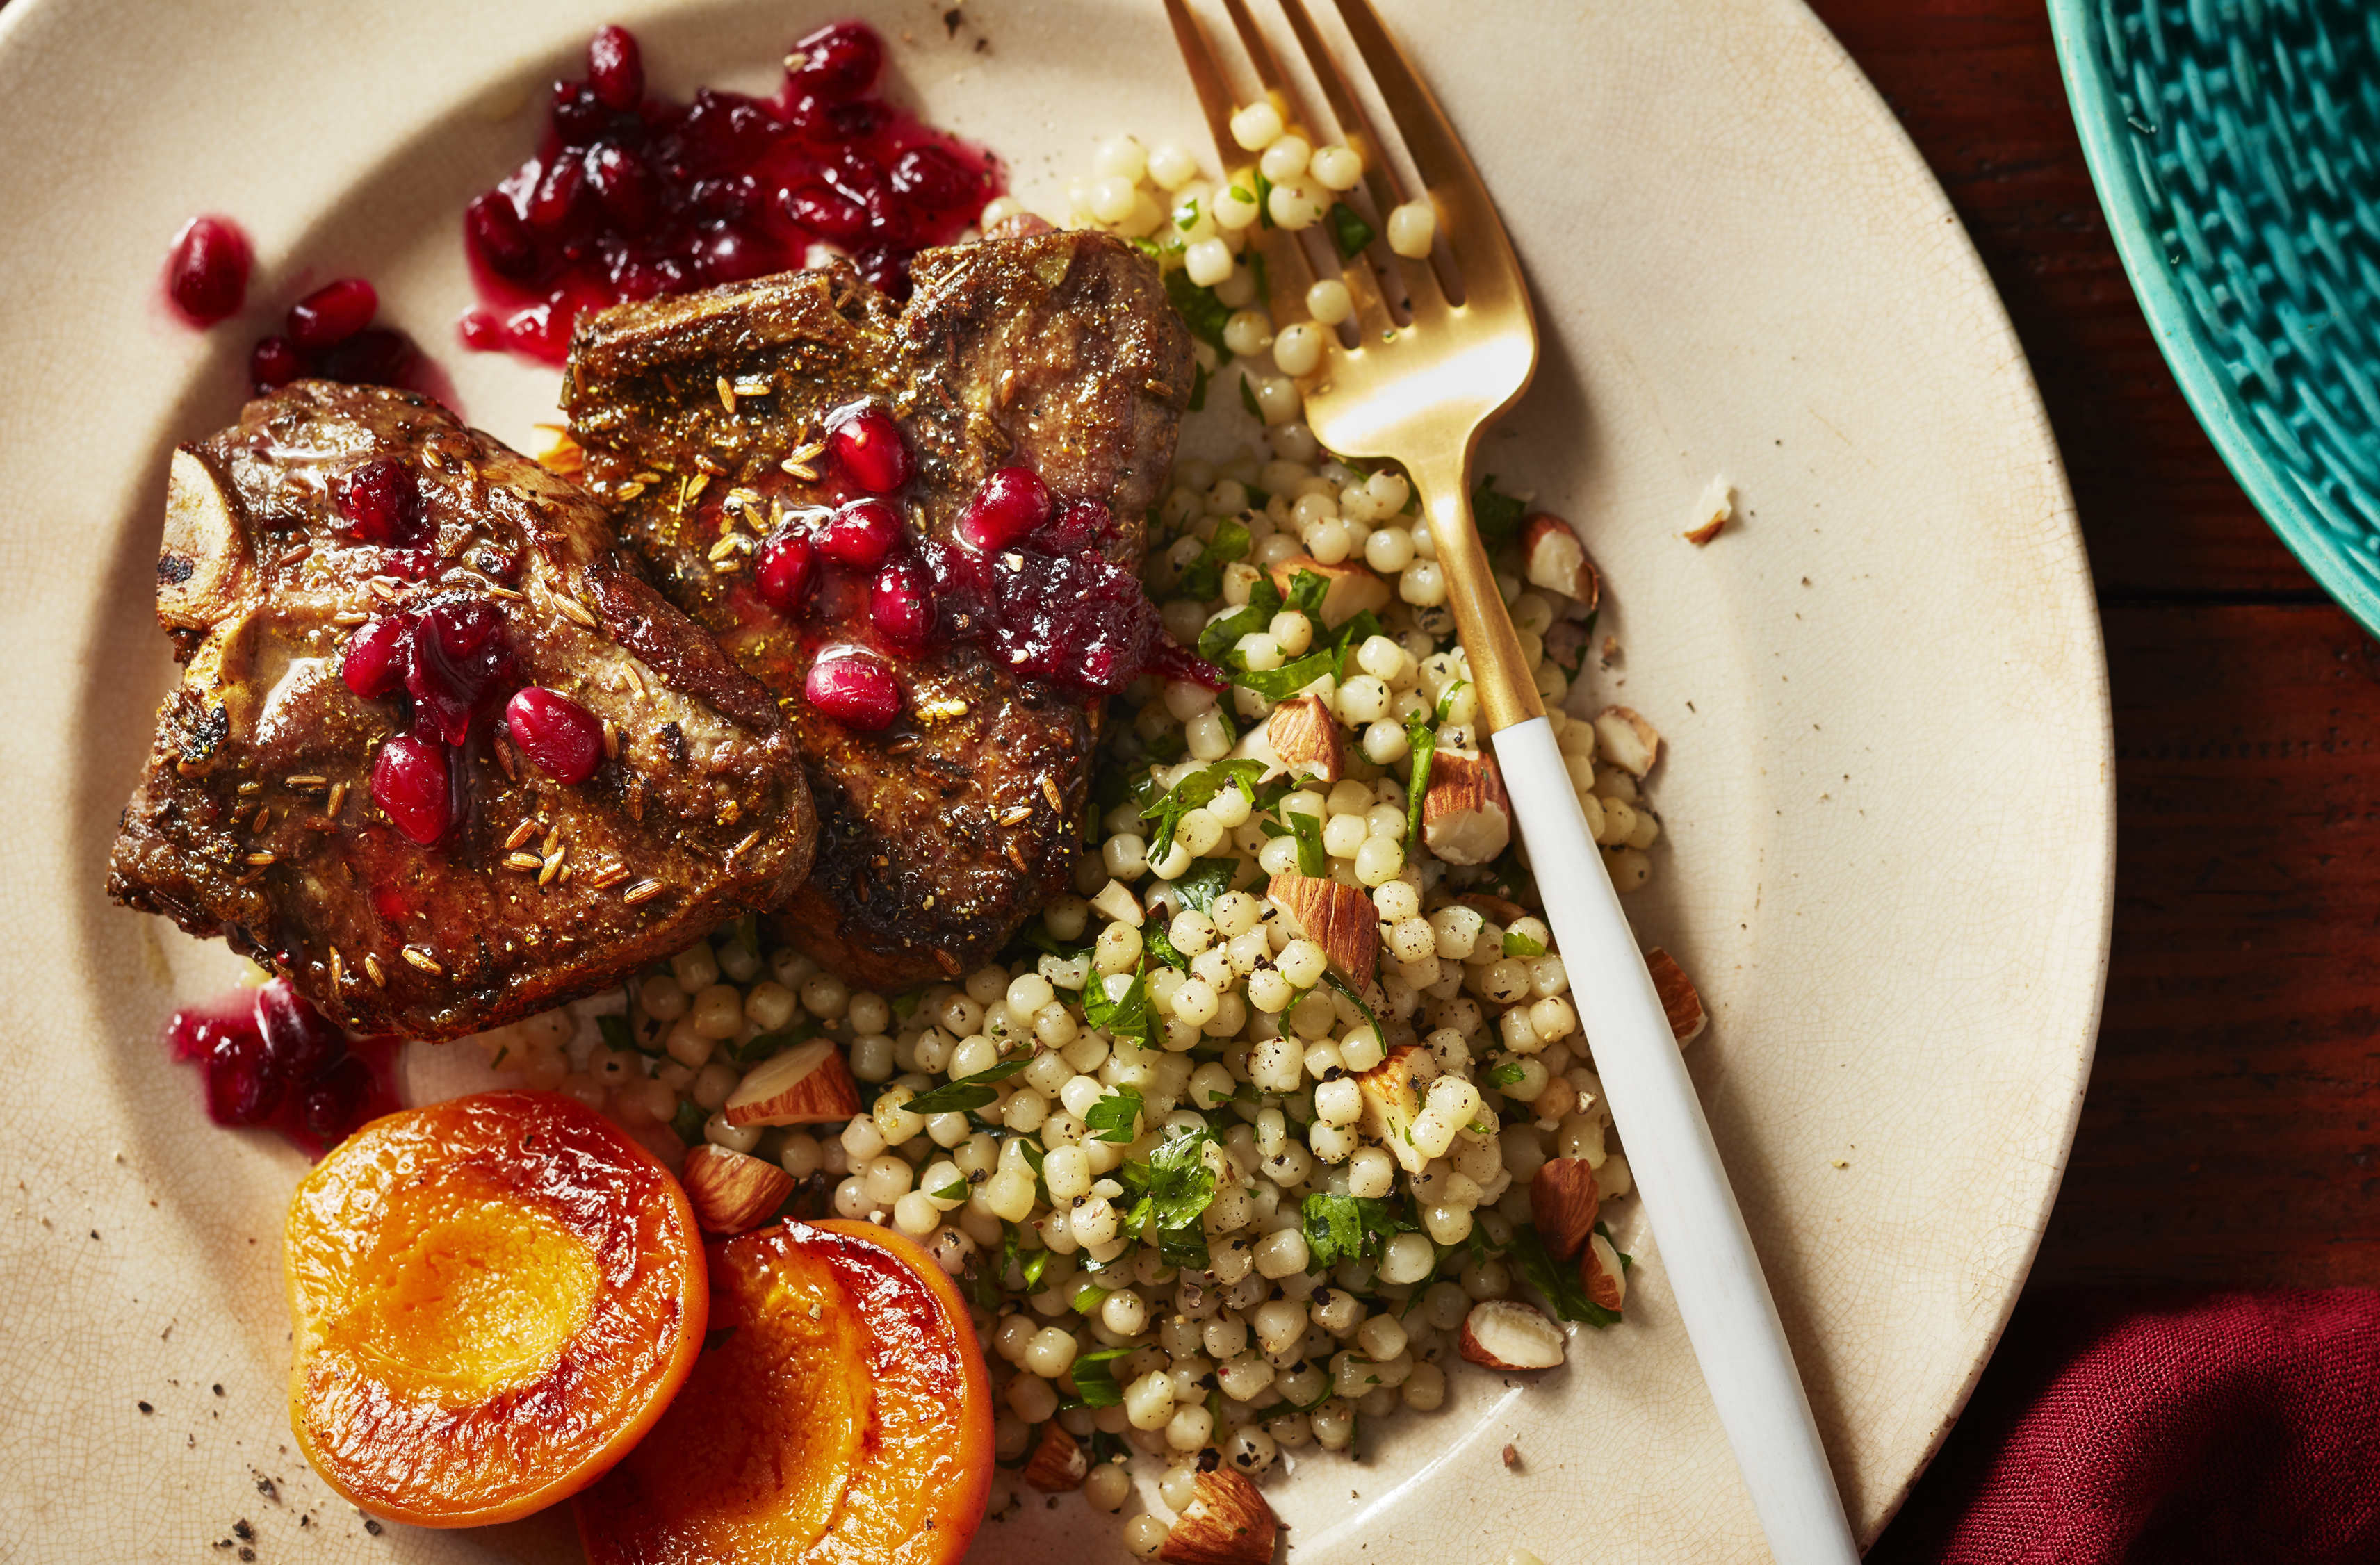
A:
[730,1191]
[808,1085]
[1058,1463]
[1600,1273]
[1502,910]
[1711,513]
[1304,738]
[1340,919]
[1391,1104]
[1626,740]
[1687,1018]
[1508,1334]
[1466,817]
[1562,1202]
[1352,589]
[1556,561]
[1227,1523]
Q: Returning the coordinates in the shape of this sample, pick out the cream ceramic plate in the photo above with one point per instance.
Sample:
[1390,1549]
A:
[1887,792]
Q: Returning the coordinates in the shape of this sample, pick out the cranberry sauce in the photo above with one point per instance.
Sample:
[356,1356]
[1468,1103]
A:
[632,196]
[1027,576]
[206,272]
[267,1058]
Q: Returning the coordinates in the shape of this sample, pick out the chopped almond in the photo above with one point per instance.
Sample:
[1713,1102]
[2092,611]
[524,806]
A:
[1227,1523]
[808,1085]
[1687,1018]
[1562,1204]
[1508,1334]
[202,561]
[1466,817]
[1600,1275]
[1058,1463]
[1340,919]
[1557,562]
[731,1192]
[1711,513]
[1353,588]
[1626,740]
[1391,1105]
[1304,738]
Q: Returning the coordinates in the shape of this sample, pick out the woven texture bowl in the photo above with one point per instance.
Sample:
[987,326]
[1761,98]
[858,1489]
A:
[2234,145]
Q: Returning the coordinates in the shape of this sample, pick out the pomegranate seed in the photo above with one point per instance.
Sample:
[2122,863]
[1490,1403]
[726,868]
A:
[1076,527]
[1167,659]
[558,190]
[729,255]
[374,662]
[787,568]
[460,661]
[298,1040]
[615,68]
[409,782]
[376,357]
[825,213]
[381,501]
[872,451]
[243,1088]
[497,236]
[577,114]
[275,363]
[860,534]
[208,276]
[336,1103]
[855,689]
[838,62]
[1012,503]
[935,178]
[332,314]
[886,268]
[900,606]
[563,738]
[625,184]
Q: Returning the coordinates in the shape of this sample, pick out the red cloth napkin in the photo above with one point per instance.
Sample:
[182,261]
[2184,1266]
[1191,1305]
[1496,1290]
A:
[2163,1429]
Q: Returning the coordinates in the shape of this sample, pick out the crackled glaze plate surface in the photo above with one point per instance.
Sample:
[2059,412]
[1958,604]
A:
[1887,796]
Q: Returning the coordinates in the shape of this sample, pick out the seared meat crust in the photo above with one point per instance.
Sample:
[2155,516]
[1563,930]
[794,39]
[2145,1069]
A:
[255,820]
[704,419]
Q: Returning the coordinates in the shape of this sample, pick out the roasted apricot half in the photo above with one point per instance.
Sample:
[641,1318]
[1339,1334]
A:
[842,1412]
[492,1299]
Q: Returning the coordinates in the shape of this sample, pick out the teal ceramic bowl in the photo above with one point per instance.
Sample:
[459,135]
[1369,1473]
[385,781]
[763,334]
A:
[2236,147]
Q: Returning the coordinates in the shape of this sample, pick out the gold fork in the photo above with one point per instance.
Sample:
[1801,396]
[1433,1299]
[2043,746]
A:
[1420,393]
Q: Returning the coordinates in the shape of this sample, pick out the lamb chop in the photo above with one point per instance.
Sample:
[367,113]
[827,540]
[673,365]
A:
[919,525]
[439,753]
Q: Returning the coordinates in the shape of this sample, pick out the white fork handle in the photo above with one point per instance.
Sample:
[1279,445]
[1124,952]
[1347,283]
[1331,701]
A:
[1706,1251]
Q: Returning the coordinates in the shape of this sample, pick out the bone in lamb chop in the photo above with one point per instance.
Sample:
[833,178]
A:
[439,753]
[921,527]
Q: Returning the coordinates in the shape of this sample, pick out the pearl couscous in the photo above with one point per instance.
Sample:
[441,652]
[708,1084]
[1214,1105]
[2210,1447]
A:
[1147,1142]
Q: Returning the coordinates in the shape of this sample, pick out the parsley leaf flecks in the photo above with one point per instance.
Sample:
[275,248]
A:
[1175,1185]
[1560,1284]
[1421,741]
[1198,389]
[1166,808]
[1248,399]
[1199,308]
[1343,986]
[1264,198]
[1114,1118]
[1159,944]
[1340,1228]
[1125,1016]
[1206,880]
[1497,515]
[1349,231]
[1521,945]
[966,1093]
[1503,1075]
[1094,1376]
[1203,578]
[1311,858]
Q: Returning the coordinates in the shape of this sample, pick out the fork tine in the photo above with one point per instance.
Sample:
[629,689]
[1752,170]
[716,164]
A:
[1206,72]
[1364,274]
[1475,234]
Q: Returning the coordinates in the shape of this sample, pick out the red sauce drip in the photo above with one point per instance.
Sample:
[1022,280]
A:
[268,1060]
[662,198]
